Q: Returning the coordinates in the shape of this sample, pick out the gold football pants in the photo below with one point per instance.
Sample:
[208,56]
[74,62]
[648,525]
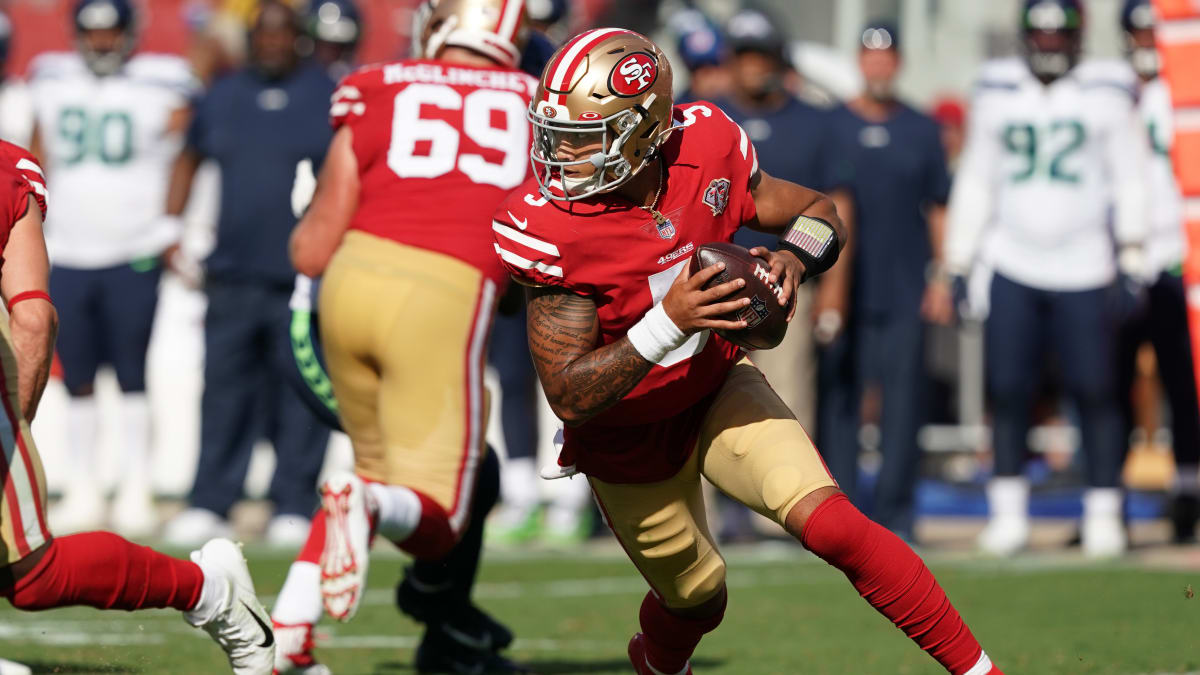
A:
[405,333]
[750,447]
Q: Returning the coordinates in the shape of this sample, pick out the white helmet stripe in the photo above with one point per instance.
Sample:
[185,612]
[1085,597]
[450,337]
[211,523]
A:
[510,16]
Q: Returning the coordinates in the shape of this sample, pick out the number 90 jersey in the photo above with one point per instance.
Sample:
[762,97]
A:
[613,252]
[106,141]
[438,146]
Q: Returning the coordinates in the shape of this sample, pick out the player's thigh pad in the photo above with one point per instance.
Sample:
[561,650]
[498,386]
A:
[404,333]
[664,530]
[752,448]
[23,498]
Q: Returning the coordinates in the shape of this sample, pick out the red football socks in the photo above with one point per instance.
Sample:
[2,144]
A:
[671,639]
[887,573]
[102,570]
[433,538]
[315,544]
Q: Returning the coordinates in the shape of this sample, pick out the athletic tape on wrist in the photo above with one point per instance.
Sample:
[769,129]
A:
[655,335]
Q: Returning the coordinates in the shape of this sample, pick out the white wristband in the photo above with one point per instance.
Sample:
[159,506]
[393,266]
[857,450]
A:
[655,335]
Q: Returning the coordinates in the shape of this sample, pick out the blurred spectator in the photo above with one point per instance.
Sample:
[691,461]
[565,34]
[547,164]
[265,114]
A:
[1053,173]
[891,157]
[335,28]
[951,116]
[257,124]
[16,109]
[108,126]
[1163,322]
[703,52]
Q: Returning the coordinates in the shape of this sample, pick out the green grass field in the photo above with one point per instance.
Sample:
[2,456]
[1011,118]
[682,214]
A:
[789,613]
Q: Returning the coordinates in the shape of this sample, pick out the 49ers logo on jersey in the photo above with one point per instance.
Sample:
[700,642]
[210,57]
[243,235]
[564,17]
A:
[633,74]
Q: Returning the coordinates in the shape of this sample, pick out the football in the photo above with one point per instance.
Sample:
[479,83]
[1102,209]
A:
[766,319]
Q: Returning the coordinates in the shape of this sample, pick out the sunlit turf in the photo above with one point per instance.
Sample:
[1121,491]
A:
[788,613]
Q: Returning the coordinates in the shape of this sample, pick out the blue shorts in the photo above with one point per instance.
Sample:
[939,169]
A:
[105,316]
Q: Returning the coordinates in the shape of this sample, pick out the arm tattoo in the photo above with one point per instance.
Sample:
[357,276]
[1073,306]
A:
[580,380]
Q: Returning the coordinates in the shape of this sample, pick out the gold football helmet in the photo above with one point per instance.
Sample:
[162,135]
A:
[609,86]
[494,28]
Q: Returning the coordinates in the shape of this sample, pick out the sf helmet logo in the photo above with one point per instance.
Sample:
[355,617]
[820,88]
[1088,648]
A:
[633,74]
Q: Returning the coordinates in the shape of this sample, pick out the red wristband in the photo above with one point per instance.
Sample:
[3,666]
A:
[29,295]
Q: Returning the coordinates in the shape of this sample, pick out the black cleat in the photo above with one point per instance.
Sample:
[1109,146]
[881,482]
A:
[446,650]
[437,606]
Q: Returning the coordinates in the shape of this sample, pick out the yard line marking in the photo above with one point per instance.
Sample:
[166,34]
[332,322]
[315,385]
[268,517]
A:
[411,642]
[596,586]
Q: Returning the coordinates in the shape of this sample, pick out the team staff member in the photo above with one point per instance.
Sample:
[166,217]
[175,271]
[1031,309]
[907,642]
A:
[891,157]
[256,123]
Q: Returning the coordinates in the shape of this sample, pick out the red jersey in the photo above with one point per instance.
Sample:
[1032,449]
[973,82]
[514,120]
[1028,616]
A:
[21,177]
[439,146]
[613,252]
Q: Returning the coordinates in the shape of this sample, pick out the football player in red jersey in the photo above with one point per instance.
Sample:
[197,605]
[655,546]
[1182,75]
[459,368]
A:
[94,569]
[424,150]
[626,186]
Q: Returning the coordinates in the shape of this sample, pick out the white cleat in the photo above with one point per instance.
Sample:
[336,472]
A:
[1004,536]
[80,510]
[1103,537]
[195,526]
[347,544]
[133,512]
[293,651]
[288,531]
[239,623]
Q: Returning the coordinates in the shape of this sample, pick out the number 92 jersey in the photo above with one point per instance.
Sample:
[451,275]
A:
[613,252]
[1057,171]
[438,146]
[108,146]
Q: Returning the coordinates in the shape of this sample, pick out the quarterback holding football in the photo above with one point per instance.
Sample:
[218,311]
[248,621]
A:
[628,344]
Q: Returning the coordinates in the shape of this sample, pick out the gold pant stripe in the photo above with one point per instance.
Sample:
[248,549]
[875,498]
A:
[23,506]
[405,333]
[751,448]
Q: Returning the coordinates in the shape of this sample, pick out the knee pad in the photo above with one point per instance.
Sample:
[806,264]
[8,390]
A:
[698,585]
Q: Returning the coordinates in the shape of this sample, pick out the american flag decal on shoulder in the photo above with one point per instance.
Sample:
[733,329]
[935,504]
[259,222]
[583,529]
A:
[811,235]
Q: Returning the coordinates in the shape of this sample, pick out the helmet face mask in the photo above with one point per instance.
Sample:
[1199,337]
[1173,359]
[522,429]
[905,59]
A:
[602,109]
[104,34]
[1138,18]
[1052,37]
[594,161]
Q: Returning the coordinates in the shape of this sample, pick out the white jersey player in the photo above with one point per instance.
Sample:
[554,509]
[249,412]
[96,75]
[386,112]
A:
[1051,194]
[109,140]
[108,125]
[1051,182]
